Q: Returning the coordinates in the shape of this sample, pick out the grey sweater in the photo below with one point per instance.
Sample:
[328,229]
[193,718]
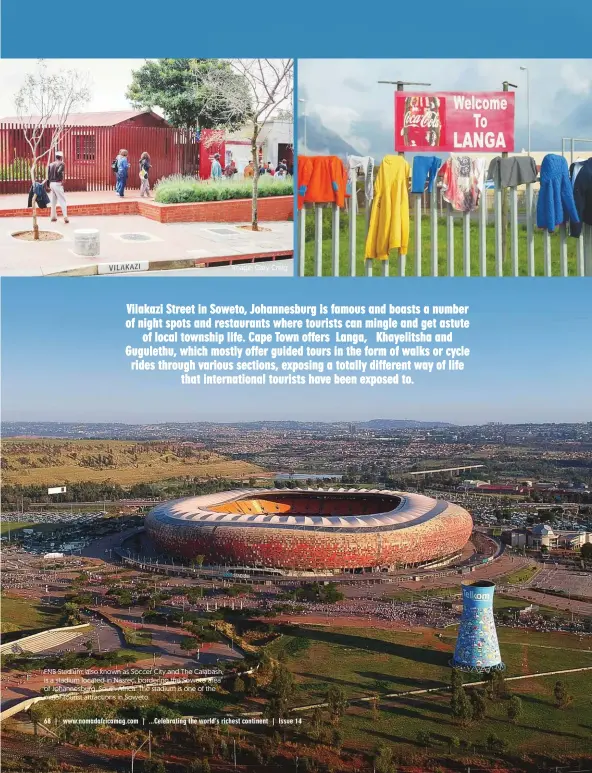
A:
[513,171]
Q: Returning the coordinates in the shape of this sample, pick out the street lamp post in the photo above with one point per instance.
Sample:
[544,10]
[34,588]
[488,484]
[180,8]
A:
[527,71]
[149,742]
[505,87]
[304,117]
[401,87]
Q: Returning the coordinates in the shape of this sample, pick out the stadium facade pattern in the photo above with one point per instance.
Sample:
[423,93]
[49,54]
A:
[311,530]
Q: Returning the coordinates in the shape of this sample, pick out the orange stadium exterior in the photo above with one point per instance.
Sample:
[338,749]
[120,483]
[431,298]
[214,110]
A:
[334,530]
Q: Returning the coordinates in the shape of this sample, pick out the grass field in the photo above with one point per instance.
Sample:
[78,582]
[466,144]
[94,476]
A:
[14,526]
[519,576]
[122,462]
[426,248]
[360,659]
[365,662]
[542,731]
[19,614]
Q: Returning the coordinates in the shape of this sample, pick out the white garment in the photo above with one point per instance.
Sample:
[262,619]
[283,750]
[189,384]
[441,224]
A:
[57,196]
[144,186]
[463,180]
[578,164]
[366,163]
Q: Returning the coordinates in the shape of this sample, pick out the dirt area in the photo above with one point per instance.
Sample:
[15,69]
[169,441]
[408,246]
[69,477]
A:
[44,236]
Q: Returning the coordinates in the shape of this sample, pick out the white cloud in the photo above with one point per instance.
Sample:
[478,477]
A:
[557,89]
[109,80]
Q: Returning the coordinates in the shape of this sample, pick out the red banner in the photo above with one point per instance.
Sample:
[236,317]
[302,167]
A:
[454,121]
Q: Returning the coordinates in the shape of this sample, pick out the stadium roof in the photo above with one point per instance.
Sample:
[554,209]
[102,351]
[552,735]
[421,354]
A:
[408,510]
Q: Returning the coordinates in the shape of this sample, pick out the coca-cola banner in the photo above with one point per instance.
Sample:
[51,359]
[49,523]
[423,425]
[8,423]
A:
[454,121]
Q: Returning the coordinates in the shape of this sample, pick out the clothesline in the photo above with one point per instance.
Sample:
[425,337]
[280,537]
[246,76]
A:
[565,195]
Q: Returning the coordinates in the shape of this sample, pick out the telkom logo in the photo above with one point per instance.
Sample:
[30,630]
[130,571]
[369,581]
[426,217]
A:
[477,596]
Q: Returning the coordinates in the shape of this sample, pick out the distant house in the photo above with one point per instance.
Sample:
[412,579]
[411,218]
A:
[91,143]
[275,142]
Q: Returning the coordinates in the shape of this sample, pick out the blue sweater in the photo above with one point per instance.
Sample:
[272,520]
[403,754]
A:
[556,202]
[424,168]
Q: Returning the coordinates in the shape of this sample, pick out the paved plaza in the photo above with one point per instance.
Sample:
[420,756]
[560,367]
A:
[133,238]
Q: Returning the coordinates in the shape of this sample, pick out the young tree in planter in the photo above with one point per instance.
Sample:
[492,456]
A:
[44,103]
[264,90]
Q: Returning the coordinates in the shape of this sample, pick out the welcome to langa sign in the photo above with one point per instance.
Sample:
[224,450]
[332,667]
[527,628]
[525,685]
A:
[454,121]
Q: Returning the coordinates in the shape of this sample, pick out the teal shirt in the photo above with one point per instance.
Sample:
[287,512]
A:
[216,170]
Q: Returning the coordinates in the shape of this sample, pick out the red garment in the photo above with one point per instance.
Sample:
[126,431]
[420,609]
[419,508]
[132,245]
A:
[321,180]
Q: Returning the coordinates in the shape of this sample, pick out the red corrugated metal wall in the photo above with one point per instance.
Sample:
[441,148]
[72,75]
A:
[89,151]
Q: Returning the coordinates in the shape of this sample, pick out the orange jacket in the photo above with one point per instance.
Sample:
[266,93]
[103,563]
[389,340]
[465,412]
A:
[321,180]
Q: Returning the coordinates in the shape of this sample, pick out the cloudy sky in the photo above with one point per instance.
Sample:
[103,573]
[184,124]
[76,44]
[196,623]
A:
[347,107]
[108,79]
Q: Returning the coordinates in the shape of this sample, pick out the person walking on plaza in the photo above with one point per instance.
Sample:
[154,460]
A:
[122,172]
[56,172]
[216,173]
[145,167]
[249,170]
[231,170]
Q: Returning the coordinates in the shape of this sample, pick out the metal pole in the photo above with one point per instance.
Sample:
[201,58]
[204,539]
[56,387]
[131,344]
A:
[528,105]
[304,125]
[527,71]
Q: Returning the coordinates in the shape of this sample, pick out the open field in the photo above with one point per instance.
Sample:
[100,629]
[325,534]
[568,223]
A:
[6,526]
[363,661]
[19,614]
[519,576]
[56,462]
[542,730]
[366,662]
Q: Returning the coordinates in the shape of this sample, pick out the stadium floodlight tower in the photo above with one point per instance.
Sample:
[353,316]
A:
[477,648]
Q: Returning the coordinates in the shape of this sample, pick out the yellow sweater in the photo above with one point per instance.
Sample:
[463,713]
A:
[389,221]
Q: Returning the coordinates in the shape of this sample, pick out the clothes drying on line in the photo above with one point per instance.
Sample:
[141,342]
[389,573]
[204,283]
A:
[389,220]
[42,200]
[463,179]
[556,204]
[574,169]
[366,165]
[321,180]
[513,171]
[582,190]
[425,170]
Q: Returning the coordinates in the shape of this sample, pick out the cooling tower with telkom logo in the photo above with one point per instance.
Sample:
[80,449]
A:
[477,648]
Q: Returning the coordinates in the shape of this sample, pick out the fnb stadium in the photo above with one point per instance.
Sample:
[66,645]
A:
[329,531]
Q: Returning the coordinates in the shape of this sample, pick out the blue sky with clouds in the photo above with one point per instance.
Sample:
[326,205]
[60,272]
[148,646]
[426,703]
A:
[63,355]
[343,96]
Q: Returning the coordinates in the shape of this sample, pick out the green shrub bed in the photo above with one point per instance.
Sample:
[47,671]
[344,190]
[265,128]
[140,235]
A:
[188,190]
